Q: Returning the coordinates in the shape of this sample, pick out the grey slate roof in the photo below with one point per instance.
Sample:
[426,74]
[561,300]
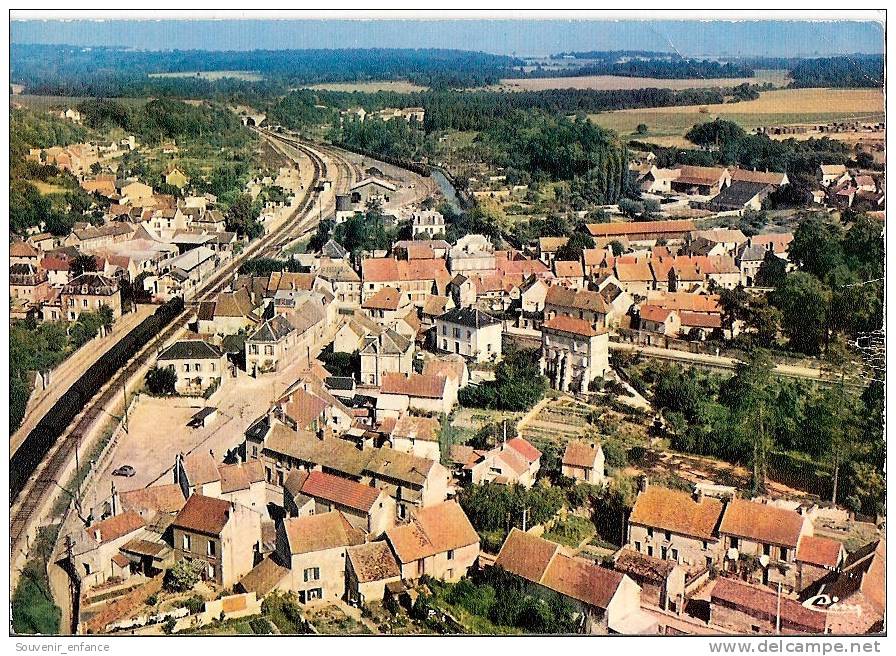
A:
[192,349]
[470,317]
[272,330]
[738,194]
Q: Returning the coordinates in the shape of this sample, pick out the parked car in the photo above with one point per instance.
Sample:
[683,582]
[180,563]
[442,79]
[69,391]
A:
[125,470]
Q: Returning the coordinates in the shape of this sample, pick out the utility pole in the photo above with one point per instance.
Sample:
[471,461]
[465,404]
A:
[778,612]
[525,517]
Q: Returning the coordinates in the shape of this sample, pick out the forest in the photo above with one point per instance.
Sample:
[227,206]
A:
[648,64]
[68,70]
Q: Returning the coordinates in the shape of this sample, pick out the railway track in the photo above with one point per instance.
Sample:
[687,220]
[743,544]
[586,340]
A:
[27,505]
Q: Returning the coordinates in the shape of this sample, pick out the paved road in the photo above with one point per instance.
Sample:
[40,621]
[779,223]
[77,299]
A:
[720,361]
[70,370]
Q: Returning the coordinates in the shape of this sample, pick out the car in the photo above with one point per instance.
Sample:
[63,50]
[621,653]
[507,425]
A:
[125,470]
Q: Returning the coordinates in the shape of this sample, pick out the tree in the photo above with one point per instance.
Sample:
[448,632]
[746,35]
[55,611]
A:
[772,271]
[572,249]
[641,128]
[617,248]
[817,247]
[161,381]
[183,575]
[81,264]
[748,396]
[242,218]
[804,303]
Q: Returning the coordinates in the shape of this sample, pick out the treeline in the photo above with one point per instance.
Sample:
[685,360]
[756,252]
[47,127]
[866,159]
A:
[70,70]
[676,69]
[854,71]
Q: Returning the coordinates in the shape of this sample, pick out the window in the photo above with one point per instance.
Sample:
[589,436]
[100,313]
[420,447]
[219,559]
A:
[708,562]
[210,549]
[664,553]
[187,367]
[650,551]
[735,543]
[84,302]
[675,555]
[783,553]
[451,554]
[314,593]
[197,366]
[705,545]
[187,542]
[312,574]
[402,511]
[767,549]
[449,574]
[213,366]
[649,532]
[210,571]
[668,536]
[638,547]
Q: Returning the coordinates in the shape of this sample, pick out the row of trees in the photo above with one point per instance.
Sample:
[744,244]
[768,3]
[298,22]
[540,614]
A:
[752,415]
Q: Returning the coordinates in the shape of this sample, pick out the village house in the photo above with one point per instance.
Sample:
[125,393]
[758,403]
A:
[674,525]
[354,331]
[427,224]
[429,393]
[584,461]
[635,277]
[242,483]
[701,180]
[662,582]
[773,178]
[662,321]
[21,252]
[832,175]
[386,352]
[588,306]
[95,548]
[470,333]
[198,365]
[28,283]
[417,278]
[438,541]
[413,482]
[573,353]
[386,305]
[222,535]
[315,549]
[617,300]
[370,568]
[88,293]
[767,533]
[547,248]
[741,196]
[368,509]
[229,314]
[605,601]
[512,462]
[816,557]
[472,254]
[175,177]
[90,238]
[417,435]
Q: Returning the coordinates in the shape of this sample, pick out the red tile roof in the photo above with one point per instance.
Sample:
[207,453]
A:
[203,514]
[418,428]
[579,453]
[653,313]
[640,227]
[388,298]
[319,532]
[583,581]
[524,448]
[116,526]
[700,320]
[342,491]
[526,555]
[417,385]
[572,325]
[820,551]
[763,603]
[432,530]
[762,522]
[678,512]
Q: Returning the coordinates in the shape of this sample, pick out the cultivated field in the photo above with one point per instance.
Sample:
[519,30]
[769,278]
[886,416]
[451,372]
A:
[212,76]
[667,125]
[608,82]
[398,86]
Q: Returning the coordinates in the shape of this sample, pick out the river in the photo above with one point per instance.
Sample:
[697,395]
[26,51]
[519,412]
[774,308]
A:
[447,189]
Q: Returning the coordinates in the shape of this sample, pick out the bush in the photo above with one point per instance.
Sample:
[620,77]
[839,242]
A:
[478,599]
[161,381]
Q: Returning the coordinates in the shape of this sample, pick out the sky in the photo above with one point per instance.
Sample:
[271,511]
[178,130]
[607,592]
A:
[509,37]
